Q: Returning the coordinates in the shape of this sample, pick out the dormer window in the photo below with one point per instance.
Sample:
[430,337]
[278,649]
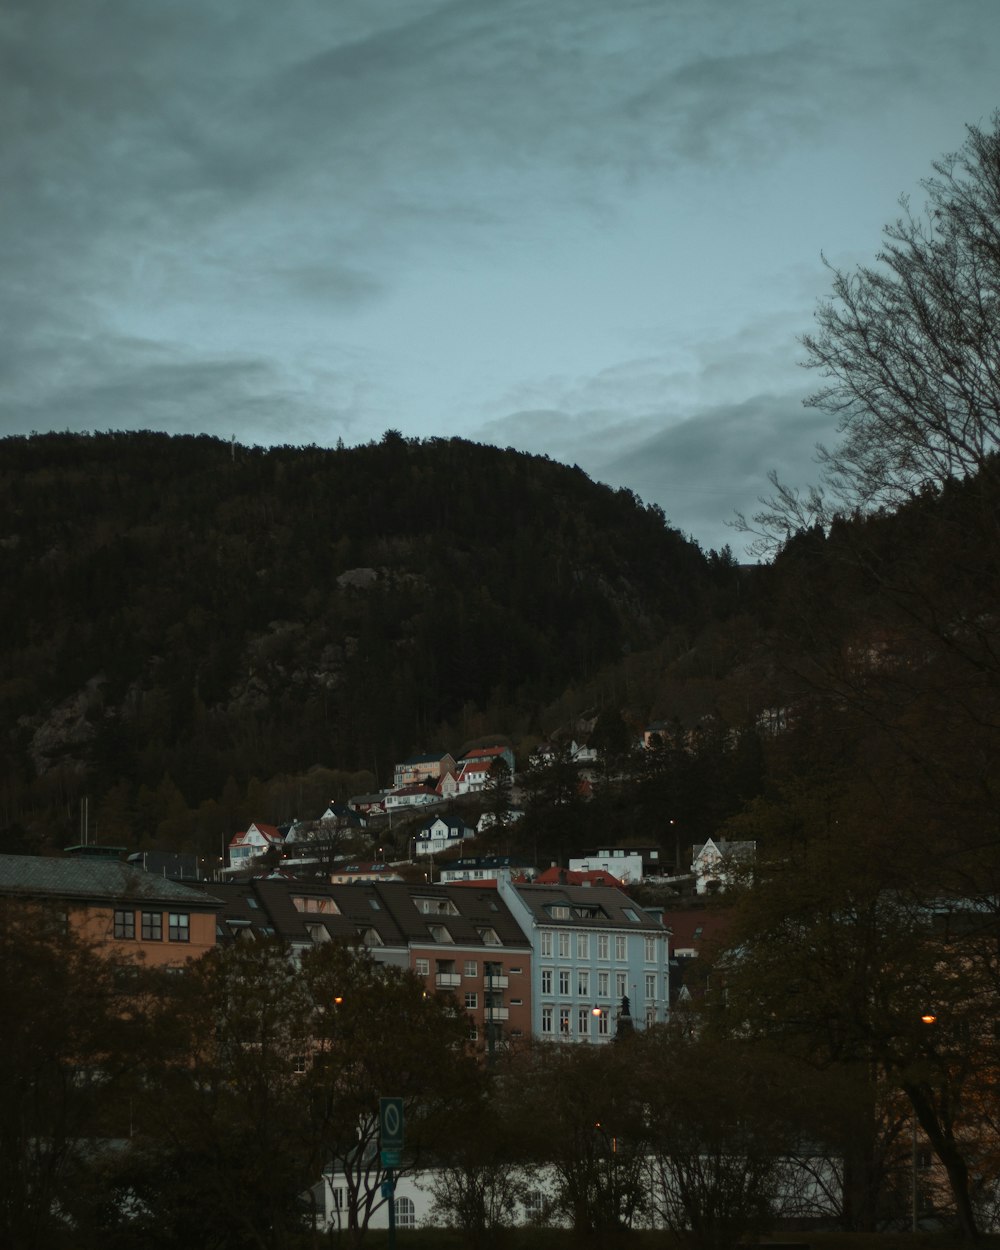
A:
[559,911]
[439,933]
[488,937]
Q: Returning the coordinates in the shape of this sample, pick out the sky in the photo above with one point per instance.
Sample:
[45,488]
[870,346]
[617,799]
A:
[590,230]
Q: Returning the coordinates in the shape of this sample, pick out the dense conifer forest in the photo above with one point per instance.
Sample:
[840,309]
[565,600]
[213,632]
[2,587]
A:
[191,619]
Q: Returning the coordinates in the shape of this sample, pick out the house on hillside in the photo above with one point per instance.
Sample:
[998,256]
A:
[440,833]
[253,842]
[718,864]
[422,769]
[554,875]
[491,755]
[483,868]
[411,796]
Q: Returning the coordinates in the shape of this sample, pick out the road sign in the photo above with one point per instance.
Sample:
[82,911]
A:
[390,1124]
[392,1158]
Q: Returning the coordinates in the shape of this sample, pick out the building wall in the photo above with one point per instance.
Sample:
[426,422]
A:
[108,925]
[511,983]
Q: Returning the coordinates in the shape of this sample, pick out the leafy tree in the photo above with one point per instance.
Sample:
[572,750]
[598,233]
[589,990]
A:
[225,1111]
[480,1177]
[377,1033]
[593,1135]
[841,964]
[719,1133]
[71,1033]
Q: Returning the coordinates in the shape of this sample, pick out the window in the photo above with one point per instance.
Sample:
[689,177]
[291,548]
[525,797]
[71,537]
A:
[299,1065]
[473,1033]
[583,1021]
[649,950]
[650,986]
[439,933]
[179,926]
[546,980]
[621,946]
[621,984]
[124,923]
[603,1024]
[406,1213]
[488,937]
[546,1019]
[564,945]
[471,1000]
[564,1021]
[470,968]
[603,985]
[629,914]
[559,912]
[422,967]
[650,1016]
[583,983]
[374,904]
[564,982]
[583,946]
[152,926]
[534,1204]
[603,946]
[545,946]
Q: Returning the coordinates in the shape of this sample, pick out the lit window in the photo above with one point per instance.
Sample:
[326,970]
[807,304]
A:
[422,967]
[564,1020]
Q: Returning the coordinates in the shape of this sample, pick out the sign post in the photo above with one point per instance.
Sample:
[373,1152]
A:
[390,1132]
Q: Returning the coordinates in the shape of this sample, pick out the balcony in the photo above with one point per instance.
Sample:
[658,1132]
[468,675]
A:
[494,1014]
[495,982]
[447,980]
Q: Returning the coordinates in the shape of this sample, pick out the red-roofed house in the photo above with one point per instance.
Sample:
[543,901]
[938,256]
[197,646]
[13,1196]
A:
[572,876]
[254,841]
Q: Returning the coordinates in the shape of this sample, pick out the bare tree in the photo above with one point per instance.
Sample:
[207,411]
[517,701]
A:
[910,351]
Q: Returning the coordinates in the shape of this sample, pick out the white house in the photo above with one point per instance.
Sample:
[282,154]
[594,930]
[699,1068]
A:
[438,834]
[718,864]
[255,840]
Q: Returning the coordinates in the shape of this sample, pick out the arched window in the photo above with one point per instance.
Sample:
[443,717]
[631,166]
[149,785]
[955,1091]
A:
[406,1213]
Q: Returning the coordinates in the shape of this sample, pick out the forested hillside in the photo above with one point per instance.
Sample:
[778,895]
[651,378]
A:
[183,613]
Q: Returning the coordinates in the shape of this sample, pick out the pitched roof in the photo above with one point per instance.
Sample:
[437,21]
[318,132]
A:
[93,880]
[574,876]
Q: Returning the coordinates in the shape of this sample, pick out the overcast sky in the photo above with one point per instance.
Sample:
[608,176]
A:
[585,228]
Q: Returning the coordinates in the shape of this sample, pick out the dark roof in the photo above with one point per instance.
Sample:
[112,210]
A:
[93,880]
[476,909]
[609,904]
